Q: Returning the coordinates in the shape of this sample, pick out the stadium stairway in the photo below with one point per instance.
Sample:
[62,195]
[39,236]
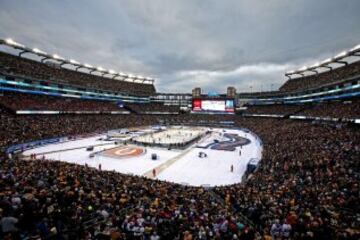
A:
[130,109]
[298,111]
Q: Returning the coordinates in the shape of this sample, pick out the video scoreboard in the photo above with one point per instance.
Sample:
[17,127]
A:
[213,105]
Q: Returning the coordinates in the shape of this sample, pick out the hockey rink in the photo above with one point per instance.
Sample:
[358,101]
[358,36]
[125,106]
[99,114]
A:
[178,166]
[172,136]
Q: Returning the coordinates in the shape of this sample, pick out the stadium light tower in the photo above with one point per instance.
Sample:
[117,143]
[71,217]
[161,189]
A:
[58,58]
[326,63]
[123,75]
[99,69]
[130,77]
[71,62]
[88,66]
[53,57]
[316,65]
[151,80]
[110,71]
[136,78]
[356,50]
[312,69]
[302,70]
[357,47]
[341,55]
[23,52]
[105,72]
[14,44]
[289,73]
[141,78]
[147,80]
[45,58]
[80,66]
[38,51]
[115,75]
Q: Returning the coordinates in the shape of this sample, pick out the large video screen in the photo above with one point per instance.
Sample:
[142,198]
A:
[199,105]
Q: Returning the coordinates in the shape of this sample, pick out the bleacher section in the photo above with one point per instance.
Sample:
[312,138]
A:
[18,66]
[338,109]
[349,109]
[152,108]
[333,109]
[273,109]
[30,102]
[341,82]
[308,178]
[317,80]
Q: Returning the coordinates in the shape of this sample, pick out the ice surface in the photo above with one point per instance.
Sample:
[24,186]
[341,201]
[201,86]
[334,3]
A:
[189,169]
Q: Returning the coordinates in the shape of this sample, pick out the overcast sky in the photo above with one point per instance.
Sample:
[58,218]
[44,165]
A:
[184,44]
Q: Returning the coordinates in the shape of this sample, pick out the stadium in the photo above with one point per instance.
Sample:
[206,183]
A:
[88,152]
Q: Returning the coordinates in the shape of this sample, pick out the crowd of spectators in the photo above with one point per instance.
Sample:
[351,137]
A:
[57,197]
[18,66]
[306,187]
[274,109]
[152,107]
[328,109]
[264,94]
[335,109]
[308,179]
[25,128]
[22,101]
[317,80]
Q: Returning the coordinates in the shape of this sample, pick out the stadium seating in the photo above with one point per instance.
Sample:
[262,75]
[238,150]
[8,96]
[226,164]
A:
[306,186]
[277,109]
[21,101]
[335,109]
[307,183]
[317,80]
[330,109]
[25,128]
[18,66]
[148,108]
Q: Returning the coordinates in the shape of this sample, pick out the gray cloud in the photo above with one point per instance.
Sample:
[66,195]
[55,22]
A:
[212,44]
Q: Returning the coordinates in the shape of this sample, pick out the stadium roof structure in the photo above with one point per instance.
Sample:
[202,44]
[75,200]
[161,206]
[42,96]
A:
[338,59]
[55,57]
